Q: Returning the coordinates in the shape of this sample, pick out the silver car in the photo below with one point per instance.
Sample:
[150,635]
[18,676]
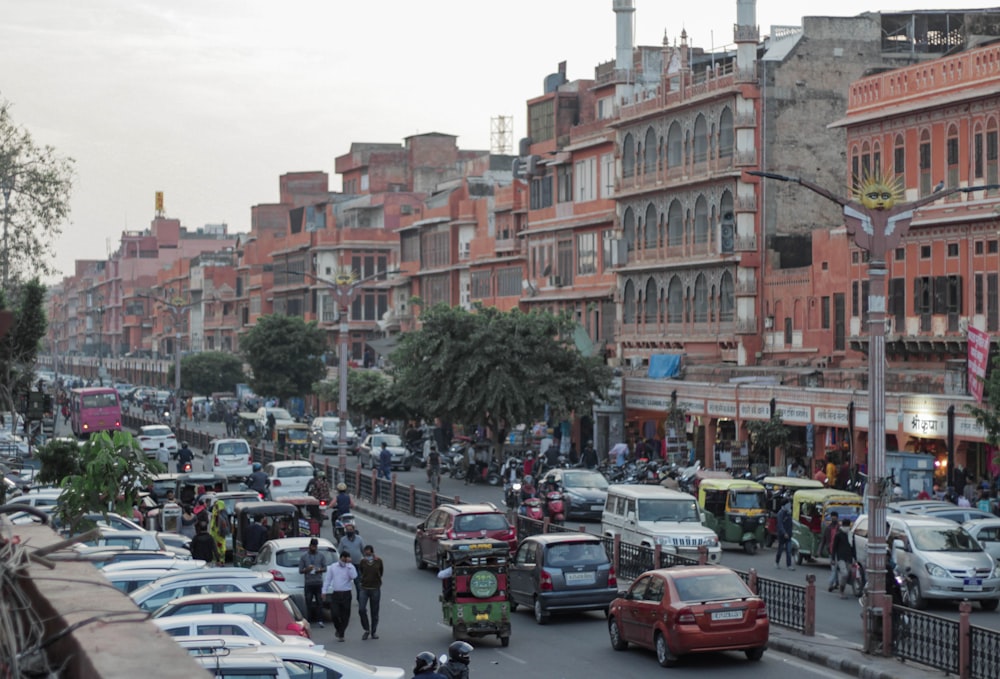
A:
[151,596]
[324,435]
[371,449]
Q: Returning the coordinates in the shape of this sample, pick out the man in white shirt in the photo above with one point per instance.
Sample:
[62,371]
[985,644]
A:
[337,585]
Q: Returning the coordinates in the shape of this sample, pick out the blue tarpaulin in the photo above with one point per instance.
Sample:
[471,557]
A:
[662,366]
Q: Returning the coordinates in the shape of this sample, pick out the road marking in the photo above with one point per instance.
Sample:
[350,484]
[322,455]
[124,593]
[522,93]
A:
[512,657]
[827,635]
[401,605]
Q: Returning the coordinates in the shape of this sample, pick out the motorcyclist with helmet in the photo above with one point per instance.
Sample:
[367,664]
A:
[258,480]
[184,458]
[457,665]
[528,489]
[426,666]
[343,502]
[318,487]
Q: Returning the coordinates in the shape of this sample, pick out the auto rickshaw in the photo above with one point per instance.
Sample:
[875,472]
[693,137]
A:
[280,519]
[292,438]
[780,488]
[474,601]
[309,513]
[736,509]
[811,511]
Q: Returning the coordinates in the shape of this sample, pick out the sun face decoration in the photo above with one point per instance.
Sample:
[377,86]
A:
[878,191]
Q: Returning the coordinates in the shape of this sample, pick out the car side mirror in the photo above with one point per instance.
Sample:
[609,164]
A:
[420,526]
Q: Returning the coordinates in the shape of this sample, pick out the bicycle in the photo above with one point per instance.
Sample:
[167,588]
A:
[434,477]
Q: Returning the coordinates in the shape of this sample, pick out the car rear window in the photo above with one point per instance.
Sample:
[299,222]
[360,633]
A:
[287,558]
[157,431]
[576,553]
[228,630]
[255,609]
[285,472]
[476,522]
[711,587]
[232,448]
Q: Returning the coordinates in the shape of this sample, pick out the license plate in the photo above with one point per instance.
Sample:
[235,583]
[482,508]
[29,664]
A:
[972,585]
[580,578]
[727,615]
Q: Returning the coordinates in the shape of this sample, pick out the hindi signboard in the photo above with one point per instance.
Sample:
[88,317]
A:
[979,356]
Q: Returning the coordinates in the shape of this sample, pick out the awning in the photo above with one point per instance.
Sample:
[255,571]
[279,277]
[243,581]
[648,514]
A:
[385,345]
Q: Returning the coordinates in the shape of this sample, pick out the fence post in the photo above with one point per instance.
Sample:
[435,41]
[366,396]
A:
[412,509]
[657,555]
[964,639]
[702,555]
[545,524]
[809,624]
[617,553]
[392,490]
[752,580]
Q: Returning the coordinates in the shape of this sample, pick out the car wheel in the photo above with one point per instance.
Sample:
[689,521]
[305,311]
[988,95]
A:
[989,604]
[750,546]
[541,617]
[799,558]
[505,641]
[663,654]
[418,554]
[912,596]
[755,653]
[617,642]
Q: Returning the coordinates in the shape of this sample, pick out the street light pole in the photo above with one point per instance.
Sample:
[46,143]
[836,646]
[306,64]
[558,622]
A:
[176,306]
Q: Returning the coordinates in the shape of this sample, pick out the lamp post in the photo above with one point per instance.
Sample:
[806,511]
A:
[877,222]
[176,305]
[100,339]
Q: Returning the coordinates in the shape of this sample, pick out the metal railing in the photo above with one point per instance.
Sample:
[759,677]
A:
[925,638]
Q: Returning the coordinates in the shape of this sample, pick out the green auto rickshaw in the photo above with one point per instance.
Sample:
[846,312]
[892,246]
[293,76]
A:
[779,489]
[736,509]
[811,511]
[474,600]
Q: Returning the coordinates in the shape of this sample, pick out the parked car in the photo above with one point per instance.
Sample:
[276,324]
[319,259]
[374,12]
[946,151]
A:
[281,416]
[460,522]
[167,566]
[584,492]
[175,585]
[558,572]
[152,435]
[937,558]
[318,662]
[215,644]
[230,624]
[277,612]
[231,457]
[689,609]
[958,514]
[228,665]
[128,581]
[987,532]
[324,434]
[103,555]
[136,539]
[289,477]
[371,449]
[280,558]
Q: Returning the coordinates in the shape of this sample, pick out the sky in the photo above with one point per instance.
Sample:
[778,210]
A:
[210,101]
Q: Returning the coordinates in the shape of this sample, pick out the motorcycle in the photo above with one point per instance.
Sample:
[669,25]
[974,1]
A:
[686,476]
[555,507]
[340,526]
[512,494]
[531,507]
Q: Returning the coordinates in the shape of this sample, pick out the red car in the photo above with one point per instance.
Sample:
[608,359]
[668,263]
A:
[277,612]
[460,522]
[689,609]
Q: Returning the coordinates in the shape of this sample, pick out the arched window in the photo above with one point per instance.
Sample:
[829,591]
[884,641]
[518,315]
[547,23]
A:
[951,153]
[675,301]
[675,151]
[628,156]
[866,160]
[650,224]
[727,223]
[649,152]
[675,224]
[726,304]
[992,160]
[628,303]
[700,299]
[876,157]
[649,303]
[726,135]
[899,158]
[855,165]
[628,227]
[701,220]
[700,139]
[925,163]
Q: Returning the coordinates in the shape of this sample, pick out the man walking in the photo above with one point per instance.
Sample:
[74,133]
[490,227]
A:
[784,536]
[312,565]
[829,533]
[337,586]
[843,553]
[370,593]
[353,544]
[385,462]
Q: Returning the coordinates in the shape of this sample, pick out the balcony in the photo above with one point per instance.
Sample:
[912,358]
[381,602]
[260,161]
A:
[746,326]
[746,243]
[746,288]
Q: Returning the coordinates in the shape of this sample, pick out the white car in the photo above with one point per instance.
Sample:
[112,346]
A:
[167,566]
[281,416]
[324,435]
[128,581]
[233,624]
[152,435]
[371,449]
[289,477]
[226,579]
[987,532]
[231,457]
[12,445]
[281,557]
[318,662]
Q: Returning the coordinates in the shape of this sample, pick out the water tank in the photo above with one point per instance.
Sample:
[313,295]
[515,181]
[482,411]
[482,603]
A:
[553,81]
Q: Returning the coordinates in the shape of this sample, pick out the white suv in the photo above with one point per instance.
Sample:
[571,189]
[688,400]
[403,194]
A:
[231,457]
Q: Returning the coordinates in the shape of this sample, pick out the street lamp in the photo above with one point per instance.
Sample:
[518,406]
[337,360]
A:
[176,305]
[877,222]
[100,339]
[6,188]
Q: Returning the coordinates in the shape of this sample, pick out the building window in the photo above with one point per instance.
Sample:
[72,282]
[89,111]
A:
[854,258]
[991,247]
[953,249]
[628,156]
[436,289]
[541,191]
[977,153]
[509,282]
[675,301]
[992,160]
[979,293]
[586,179]
[480,285]
[726,136]
[628,303]
[608,241]
[925,252]
[564,181]
[700,299]
[979,247]
[675,153]
[727,302]
[604,107]
[900,254]
[564,263]
[649,152]
[899,158]
[700,140]
[586,254]
[541,121]
[607,175]
[925,163]
[434,249]
[952,154]
[824,307]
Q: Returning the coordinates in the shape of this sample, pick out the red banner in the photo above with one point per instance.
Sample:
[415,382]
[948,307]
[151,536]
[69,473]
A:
[979,356]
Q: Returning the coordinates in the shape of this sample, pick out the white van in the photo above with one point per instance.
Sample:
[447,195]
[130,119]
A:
[654,515]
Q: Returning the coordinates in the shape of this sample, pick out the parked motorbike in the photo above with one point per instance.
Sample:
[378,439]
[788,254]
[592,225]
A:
[555,507]
[685,477]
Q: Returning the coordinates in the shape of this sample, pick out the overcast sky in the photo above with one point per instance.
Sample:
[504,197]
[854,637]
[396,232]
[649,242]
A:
[211,100]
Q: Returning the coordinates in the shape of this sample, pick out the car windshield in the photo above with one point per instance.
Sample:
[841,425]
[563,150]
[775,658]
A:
[472,523]
[156,431]
[280,413]
[712,587]
[668,510]
[388,439]
[937,539]
[747,499]
[334,425]
[585,480]
[576,554]
[289,558]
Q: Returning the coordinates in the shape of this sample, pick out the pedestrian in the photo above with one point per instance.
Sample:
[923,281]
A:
[457,666]
[370,593]
[337,588]
[385,462]
[256,537]
[219,529]
[188,522]
[163,456]
[312,565]
[829,533]
[843,552]
[589,455]
[784,536]
[962,501]
[203,545]
[353,544]
[619,453]
[820,475]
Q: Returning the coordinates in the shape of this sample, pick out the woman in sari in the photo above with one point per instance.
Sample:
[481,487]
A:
[218,527]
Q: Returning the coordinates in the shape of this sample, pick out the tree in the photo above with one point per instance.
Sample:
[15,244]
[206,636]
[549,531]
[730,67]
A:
[59,459]
[285,355]
[495,368]
[370,393]
[113,470]
[35,184]
[208,372]
[766,435]
[19,348]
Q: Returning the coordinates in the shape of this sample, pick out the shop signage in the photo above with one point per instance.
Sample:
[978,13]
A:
[643,402]
[794,413]
[755,411]
[979,354]
[925,425]
[967,427]
[722,409]
[691,407]
[836,417]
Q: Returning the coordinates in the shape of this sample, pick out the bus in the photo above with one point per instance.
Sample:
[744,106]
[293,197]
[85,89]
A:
[94,409]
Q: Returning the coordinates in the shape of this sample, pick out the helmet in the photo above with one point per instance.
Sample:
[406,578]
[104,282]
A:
[256,466]
[341,487]
[184,444]
[459,651]
[897,492]
[426,662]
[321,474]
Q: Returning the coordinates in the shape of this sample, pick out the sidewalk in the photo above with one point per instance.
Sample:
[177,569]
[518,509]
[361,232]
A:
[841,655]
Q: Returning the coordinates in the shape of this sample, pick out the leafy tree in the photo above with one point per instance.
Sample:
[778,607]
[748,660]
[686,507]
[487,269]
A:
[19,348]
[285,355]
[39,182]
[988,415]
[59,459]
[370,393]
[208,372]
[494,368]
[113,470]
[766,435]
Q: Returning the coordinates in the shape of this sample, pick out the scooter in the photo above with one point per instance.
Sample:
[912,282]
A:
[341,523]
[531,507]
[555,507]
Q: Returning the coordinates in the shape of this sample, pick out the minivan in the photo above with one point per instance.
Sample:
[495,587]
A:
[654,515]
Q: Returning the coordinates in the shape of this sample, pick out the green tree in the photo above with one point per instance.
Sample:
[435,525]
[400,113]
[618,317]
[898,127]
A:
[285,355]
[765,436]
[370,393]
[495,368]
[208,372]
[58,459]
[19,348]
[113,470]
[988,415]
[35,185]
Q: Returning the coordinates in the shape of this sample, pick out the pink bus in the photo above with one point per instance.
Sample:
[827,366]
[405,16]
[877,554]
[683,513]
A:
[94,409]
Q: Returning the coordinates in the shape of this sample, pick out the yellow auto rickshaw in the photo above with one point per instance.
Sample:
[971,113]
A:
[811,511]
[292,438]
[779,489]
[736,509]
